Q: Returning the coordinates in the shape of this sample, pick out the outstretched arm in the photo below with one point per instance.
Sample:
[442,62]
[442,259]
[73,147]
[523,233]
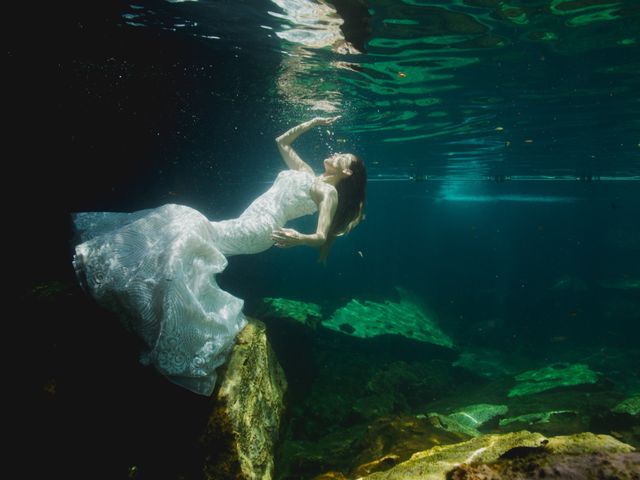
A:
[327,203]
[284,141]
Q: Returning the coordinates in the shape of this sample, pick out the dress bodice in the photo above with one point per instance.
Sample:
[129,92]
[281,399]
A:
[289,197]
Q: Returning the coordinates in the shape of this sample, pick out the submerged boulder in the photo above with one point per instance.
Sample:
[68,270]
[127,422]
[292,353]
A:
[593,466]
[553,376]
[535,418]
[467,420]
[582,456]
[586,442]
[629,406]
[521,455]
[433,464]
[244,426]
[306,313]
[366,319]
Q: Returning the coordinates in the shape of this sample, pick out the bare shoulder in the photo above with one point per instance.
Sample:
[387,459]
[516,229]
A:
[323,191]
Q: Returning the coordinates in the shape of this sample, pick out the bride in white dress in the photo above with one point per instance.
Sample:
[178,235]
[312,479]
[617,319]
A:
[156,268]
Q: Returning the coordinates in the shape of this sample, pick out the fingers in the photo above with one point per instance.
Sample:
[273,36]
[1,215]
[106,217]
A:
[281,237]
[282,243]
[282,232]
[327,120]
[285,237]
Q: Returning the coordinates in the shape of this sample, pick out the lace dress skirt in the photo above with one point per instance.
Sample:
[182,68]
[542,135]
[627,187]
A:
[156,270]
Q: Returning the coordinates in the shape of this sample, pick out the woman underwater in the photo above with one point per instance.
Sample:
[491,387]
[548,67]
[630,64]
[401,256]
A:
[155,269]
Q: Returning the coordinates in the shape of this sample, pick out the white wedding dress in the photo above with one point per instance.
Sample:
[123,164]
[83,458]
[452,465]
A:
[156,270]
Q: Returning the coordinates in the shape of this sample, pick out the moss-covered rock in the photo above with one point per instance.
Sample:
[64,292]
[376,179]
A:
[304,312]
[630,406]
[244,426]
[392,440]
[433,464]
[592,466]
[364,449]
[534,418]
[467,420]
[452,425]
[366,319]
[519,455]
[586,442]
[553,376]
[476,415]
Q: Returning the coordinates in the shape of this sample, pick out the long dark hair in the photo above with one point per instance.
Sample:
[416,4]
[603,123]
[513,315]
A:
[350,210]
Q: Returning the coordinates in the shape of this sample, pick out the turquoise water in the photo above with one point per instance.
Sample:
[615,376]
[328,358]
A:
[502,141]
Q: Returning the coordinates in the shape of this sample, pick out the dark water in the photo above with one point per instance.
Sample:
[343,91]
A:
[502,142]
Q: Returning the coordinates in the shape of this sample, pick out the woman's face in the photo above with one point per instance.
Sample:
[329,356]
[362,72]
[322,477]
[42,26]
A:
[338,162]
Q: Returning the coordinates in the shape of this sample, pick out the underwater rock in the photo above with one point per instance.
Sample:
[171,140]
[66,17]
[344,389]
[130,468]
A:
[377,465]
[467,420]
[369,319]
[475,416]
[595,466]
[582,456]
[362,450]
[520,455]
[244,426]
[452,425]
[586,442]
[534,418]
[331,476]
[630,406]
[433,464]
[392,440]
[306,313]
[553,376]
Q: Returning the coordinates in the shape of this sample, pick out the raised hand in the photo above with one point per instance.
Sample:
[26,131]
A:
[326,120]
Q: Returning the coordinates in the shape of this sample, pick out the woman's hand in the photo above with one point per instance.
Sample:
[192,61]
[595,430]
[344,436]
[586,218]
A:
[287,237]
[325,120]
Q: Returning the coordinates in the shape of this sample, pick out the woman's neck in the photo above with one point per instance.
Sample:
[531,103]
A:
[330,178]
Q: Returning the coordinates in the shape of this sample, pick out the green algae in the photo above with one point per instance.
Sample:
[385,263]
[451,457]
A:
[478,414]
[366,319]
[468,419]
[434,463]
[629,406]
[295,309]
[533,418]
[552,376]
